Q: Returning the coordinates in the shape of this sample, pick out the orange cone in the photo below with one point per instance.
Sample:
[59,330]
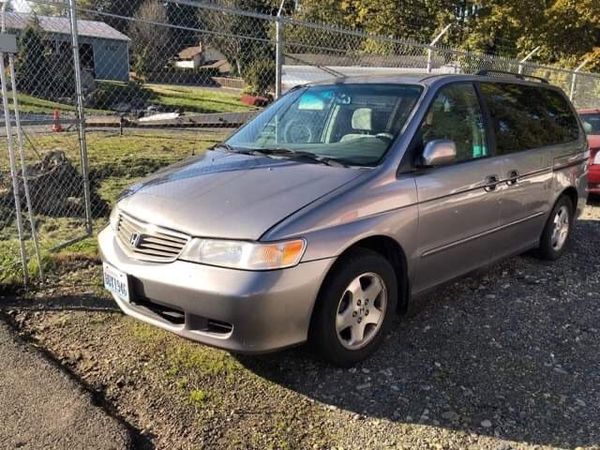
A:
[57,127]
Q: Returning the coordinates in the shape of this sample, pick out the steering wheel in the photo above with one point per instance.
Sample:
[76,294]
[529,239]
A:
[297,132]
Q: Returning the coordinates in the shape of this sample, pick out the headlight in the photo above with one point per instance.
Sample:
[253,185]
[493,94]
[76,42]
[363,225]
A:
[114,218]
[245,255]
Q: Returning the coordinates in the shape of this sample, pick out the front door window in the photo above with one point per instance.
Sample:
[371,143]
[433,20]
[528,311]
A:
[456,115]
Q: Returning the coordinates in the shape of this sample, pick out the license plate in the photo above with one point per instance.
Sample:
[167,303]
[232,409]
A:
[115,281]
[597,158]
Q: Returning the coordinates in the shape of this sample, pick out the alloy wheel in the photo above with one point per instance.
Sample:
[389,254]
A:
[361,311]
[562,225]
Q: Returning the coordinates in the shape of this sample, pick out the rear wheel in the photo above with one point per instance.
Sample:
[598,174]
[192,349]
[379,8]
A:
[355,308]
[557,231]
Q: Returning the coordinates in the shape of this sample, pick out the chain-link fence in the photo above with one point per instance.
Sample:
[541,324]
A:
[110,91]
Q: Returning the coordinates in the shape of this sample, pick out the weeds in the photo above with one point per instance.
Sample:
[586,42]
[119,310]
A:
[198,398]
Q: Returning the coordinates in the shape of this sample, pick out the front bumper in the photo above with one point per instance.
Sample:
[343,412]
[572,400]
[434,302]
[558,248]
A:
[241,311]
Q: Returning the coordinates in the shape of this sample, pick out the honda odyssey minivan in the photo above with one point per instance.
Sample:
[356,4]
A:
[320,219]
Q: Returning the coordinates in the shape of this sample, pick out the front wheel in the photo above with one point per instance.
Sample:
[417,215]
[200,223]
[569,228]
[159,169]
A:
[354,308]
[557,231]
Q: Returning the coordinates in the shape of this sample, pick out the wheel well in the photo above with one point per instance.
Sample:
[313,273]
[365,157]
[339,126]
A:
[393,252]
[572,195]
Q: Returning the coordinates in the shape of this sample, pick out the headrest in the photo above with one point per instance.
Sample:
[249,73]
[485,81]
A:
[362,119]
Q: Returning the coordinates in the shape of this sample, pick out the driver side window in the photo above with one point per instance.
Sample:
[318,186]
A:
[456,115]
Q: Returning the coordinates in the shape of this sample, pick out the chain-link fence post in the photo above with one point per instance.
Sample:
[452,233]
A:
[433,44]
[279,44]
[573,85]
[81,116]
[12,160]
[24,174]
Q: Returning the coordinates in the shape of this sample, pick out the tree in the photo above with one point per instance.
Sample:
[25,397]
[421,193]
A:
[302,39]
[504,28]
[260,77]
[184,19]
[114,9]
[32,61]
[408,19]
[149,45]
[416,20]
[572,33]
[242,39]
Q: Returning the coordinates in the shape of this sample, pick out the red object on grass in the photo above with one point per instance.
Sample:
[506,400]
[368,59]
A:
[56,126]
[255,100]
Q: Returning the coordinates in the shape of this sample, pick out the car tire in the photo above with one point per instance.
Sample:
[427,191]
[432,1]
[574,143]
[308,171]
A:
[360,293]
[557,230]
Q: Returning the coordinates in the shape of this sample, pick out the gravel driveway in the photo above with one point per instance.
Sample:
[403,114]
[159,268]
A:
[506,358]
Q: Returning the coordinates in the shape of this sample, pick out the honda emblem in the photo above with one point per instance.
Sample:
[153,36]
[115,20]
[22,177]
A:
[134,240]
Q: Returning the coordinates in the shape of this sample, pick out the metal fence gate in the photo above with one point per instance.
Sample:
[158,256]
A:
[97,97]
[44,188]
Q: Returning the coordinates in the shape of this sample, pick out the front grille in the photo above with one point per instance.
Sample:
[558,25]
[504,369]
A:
[148,242]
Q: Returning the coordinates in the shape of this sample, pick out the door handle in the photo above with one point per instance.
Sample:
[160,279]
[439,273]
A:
[490,183]
[513,177]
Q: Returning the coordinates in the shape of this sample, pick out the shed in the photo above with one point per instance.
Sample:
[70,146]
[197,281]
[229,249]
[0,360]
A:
[104,50]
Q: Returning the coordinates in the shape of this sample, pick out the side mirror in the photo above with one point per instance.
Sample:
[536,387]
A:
[438,153]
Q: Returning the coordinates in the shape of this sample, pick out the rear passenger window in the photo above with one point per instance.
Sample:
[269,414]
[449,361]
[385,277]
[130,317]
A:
[456,115]
[526,117]
[559,111]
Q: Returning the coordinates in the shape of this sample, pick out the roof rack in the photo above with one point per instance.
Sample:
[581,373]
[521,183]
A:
[487,72]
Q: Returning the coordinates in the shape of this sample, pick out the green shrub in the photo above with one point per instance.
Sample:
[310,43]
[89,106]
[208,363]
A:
[260,77]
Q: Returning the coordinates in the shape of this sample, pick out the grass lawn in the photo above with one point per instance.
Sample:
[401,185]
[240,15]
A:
[197,99]
[109,94]
[115,162]
[34,105]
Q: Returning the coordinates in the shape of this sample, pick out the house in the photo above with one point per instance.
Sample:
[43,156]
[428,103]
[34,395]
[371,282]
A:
[104,50]
[190,58]
[201,56]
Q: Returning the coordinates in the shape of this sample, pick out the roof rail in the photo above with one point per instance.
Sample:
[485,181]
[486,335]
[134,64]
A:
[488,72]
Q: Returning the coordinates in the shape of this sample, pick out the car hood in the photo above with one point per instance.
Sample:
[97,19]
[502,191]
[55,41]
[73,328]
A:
[228,195]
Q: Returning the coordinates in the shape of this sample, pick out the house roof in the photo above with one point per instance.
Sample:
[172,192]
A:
[190,52]
[62,25]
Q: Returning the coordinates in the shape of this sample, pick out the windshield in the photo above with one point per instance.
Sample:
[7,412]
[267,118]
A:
[591,124]
[351,123]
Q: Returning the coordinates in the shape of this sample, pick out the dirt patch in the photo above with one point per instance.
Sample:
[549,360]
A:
[506,358]
[56,189]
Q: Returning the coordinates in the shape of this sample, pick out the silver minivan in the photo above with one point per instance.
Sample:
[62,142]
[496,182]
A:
[319,219]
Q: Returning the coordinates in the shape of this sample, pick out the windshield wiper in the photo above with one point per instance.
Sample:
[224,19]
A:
[228,148]
[298,154]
